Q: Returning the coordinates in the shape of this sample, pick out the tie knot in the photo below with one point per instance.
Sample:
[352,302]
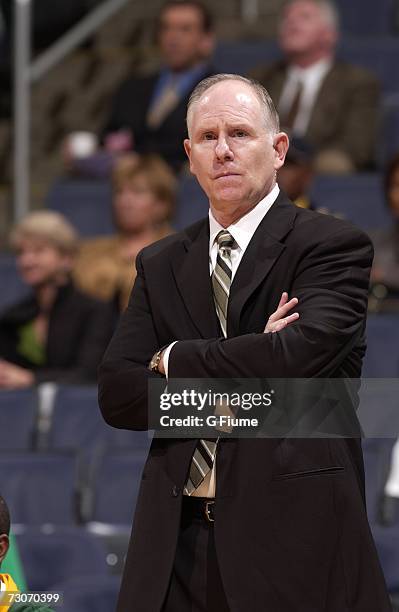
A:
[224,240]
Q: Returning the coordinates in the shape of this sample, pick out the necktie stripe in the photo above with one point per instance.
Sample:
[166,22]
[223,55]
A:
[224,266]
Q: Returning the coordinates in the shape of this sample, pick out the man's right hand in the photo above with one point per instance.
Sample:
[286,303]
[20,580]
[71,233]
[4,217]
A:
[279,319]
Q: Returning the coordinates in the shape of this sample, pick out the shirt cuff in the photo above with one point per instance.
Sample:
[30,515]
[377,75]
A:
[166,357]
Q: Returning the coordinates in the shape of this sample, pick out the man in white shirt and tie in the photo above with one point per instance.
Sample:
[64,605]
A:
[332,104]
[237,523]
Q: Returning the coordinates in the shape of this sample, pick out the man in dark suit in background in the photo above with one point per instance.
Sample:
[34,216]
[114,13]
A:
[148,112]
[245,524]
[331,104]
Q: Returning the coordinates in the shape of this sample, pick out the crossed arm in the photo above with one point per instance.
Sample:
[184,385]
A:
[331,284]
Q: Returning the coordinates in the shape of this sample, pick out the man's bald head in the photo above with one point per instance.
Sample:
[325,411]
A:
[270,114]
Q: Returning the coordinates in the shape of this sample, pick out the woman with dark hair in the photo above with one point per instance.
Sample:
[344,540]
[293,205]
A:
[385,272]
[57,333]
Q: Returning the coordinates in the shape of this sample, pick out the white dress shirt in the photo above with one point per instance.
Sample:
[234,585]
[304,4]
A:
[311,79]
[242,232]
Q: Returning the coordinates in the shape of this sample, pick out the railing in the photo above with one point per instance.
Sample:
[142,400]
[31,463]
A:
[27,72]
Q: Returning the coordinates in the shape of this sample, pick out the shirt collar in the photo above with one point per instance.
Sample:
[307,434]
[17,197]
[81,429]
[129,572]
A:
[316,70]
[243,229]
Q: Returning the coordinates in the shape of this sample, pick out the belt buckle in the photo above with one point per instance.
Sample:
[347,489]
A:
[207,511]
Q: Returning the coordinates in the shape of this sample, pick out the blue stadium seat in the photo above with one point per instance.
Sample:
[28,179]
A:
[87,205]
[379,55]
[90,594]
[192,203]
[387,542]
[10,279]
[77,424]
[52,556]
[359,198]
[388,141]
[382,355]
[115,485]
[362,17]
[18,411]
[39,488]
[243,57]
[377,461]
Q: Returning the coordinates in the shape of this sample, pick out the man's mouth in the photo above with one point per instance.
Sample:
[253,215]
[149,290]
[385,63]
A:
[226,174]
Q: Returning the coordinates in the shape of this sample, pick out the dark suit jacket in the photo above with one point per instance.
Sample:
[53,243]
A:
[345,113]
[79,331]
[291,530]
[129,110]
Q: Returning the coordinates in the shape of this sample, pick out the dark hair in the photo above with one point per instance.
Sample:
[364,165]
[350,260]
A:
[206,16]
[392,167]
[4,518]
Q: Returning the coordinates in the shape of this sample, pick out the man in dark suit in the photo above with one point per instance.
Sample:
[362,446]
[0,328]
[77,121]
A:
[245,524]
[332,104]
[150,110]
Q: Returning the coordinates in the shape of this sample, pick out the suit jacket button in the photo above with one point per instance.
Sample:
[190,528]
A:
[175,491]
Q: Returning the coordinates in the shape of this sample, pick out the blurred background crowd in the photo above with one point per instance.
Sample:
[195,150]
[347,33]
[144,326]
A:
[106,175]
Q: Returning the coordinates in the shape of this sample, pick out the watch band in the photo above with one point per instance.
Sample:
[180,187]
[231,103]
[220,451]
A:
[156,358]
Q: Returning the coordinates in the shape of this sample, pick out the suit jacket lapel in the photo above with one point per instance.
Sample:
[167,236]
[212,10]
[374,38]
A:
[262,252]
[191,271]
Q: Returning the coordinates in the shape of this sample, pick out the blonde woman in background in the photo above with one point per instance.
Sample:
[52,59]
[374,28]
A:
[56,333]
[144,191]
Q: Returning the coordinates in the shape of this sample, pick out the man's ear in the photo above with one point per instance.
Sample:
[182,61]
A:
[280,144]
[187,148]
[4,545]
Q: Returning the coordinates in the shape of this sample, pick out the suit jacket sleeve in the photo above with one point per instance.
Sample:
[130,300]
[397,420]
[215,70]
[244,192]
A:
[124,373]
[331,285]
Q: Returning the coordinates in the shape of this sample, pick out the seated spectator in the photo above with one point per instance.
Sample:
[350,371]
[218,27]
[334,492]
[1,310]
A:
[58,333]
[148,112]
[144,196]
[333,105]
[7,583]
[385,271]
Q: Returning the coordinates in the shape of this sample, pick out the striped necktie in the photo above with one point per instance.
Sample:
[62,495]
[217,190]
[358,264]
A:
[205,451]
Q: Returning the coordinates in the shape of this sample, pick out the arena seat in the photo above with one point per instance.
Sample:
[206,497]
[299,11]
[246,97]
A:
[18,412]
[86,203]
[77,424]
[117,477]
[388,141]
[16,289]
[387,542]
[51,556]
[39,488]
[360,17]
[90,594]
[243,57]
[382,355]
[379,55]
[192,203]
[359,198]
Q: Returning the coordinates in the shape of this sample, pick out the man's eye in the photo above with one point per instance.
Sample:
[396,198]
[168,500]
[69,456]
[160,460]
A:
[240,133]
[209,136]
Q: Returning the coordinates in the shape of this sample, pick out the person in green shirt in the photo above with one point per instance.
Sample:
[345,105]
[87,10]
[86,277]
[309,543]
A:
[7,583]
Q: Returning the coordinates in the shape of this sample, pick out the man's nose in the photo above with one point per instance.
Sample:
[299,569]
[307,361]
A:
[222,149]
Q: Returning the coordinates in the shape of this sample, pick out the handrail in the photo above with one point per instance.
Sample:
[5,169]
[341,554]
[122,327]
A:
[74,37]
[26,73]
